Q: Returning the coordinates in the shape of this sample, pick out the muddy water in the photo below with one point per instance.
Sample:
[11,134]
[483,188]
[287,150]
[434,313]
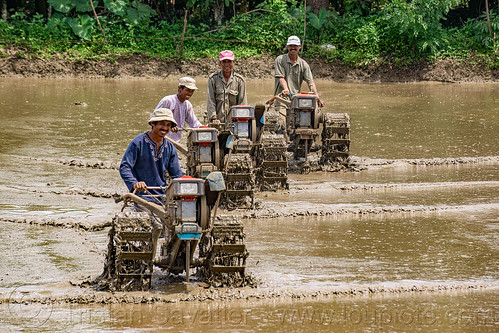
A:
[474,311]
[396,226]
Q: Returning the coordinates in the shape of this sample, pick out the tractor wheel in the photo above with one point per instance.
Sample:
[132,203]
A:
[335,138]
[131,251]
[224,254]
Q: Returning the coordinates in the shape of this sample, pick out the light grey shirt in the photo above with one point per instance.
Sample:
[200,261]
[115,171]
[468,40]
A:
[221,95]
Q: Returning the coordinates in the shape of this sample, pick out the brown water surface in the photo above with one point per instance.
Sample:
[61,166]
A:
[445,234]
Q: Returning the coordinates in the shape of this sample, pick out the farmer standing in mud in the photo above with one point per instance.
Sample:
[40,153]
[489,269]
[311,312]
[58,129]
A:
[181,107]
[225,89]
[150,156]
[291,71]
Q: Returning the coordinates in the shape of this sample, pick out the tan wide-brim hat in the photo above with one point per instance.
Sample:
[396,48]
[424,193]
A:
[162,114]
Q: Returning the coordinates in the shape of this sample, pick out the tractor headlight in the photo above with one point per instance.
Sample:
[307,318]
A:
[188,189]
[204,136]
[305,103]
[241,113]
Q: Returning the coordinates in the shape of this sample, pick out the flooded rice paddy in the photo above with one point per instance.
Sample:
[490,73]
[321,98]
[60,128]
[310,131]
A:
[409,242]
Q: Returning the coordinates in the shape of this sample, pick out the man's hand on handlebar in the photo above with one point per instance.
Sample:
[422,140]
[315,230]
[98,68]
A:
[215,122]
[140,186]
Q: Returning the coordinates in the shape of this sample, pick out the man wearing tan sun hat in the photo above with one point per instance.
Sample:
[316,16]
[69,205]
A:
[225,89]
[149,156]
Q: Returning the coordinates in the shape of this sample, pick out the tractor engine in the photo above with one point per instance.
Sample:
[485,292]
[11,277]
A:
[303,118]
[188,214]
[203,152]
[243,128]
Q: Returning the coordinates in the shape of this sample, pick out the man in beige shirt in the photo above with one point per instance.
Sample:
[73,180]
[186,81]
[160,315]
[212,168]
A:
[225,89]
[291,71]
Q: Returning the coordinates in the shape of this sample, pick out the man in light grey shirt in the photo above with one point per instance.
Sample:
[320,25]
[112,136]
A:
[226,88]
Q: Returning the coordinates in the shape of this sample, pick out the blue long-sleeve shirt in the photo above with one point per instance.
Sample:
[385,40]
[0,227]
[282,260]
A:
[142,163]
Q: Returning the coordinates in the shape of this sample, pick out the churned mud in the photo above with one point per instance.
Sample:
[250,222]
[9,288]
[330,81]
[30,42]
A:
[362,163]
[265,208]
[94,164]
[198,293]
[76,288]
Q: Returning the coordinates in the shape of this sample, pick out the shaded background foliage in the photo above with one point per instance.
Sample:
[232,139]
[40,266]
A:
[355,32]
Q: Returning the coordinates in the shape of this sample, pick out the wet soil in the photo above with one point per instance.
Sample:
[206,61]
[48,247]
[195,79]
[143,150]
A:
[79,290]
[84,294]
[265,208]
[251,68]
[199,293]
[84,233]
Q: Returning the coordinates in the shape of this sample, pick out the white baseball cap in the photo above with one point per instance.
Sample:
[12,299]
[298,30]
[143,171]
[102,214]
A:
[294,40]
[188,82]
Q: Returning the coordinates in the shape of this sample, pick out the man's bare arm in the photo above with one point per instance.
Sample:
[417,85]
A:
[313,89]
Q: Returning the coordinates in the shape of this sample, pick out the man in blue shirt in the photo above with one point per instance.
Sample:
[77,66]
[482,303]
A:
[149,156]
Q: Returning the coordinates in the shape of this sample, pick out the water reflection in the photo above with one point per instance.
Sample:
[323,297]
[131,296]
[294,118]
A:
[388,120]
[450,312]
[45,120]
[338,251]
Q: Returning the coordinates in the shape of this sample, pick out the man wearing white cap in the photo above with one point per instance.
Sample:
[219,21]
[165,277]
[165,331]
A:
[225,89]
[149,156]
[291,71]
[181,107]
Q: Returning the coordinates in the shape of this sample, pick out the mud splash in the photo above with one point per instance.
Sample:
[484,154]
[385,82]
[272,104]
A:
[275,210]
[271,209]
[81,192]
[60,223]
[198,293]
[355,163]
[262,210]
[364,163]
[92,164]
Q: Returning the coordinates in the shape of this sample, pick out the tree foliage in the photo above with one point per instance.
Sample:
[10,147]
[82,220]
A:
[356,32]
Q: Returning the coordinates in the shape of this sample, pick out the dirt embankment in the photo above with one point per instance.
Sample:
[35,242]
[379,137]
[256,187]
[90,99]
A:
[252,68]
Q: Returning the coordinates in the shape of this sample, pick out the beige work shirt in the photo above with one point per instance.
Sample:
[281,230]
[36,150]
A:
[221,95]
[293,74]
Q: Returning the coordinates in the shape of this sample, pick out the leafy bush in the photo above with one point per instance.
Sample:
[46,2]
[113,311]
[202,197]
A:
[478,32]
[358,40]
[400,31]
[416,24]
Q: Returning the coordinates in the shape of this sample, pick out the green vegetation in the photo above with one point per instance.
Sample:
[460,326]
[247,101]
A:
[354,32]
